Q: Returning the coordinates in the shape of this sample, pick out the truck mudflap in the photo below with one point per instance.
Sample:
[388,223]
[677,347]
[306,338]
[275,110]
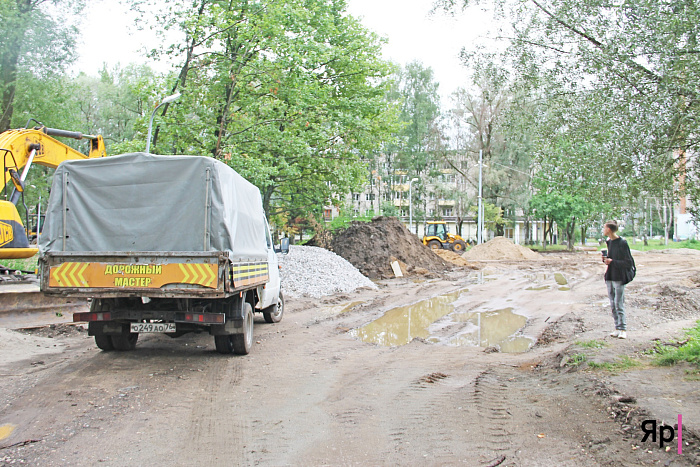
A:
[150,273]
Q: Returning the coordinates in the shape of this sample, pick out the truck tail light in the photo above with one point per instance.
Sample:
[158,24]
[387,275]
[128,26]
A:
[208,318]
[78,317]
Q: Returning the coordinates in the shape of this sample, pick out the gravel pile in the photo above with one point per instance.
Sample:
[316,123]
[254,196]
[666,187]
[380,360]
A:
[309,271]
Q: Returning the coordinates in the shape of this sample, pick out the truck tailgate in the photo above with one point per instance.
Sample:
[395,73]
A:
[152,274]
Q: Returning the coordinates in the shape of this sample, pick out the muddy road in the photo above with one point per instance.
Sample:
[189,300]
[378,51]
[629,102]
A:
[494,376]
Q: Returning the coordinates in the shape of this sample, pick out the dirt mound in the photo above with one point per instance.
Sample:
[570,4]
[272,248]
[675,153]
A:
[455,258]
[500,248]
[372,246]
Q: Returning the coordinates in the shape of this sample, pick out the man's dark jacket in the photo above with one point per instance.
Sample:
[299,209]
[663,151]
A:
[622,262]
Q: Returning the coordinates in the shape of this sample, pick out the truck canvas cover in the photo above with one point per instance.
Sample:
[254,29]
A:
[142,202]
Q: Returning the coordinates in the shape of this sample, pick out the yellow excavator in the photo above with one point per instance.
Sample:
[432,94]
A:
[19,150]
[437,236]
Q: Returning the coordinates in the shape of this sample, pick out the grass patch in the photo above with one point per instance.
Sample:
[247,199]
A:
[591,344]
[688,351]
[659,245]
[576,360]
[622,363]
[548,248]
[27,264]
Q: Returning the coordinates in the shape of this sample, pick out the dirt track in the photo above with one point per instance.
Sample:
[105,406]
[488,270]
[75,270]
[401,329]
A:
[310,393]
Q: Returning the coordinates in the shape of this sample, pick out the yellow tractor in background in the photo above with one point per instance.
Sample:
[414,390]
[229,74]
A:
[19,149]
[438,237]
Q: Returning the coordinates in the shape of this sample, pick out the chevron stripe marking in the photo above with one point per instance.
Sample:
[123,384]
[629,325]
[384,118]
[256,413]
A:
[184,271]
[81,278]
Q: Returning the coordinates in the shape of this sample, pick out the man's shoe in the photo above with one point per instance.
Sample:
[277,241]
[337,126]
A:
[615,333]
[622,335]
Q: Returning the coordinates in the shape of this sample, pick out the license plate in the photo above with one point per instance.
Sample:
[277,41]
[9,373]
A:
[152,327]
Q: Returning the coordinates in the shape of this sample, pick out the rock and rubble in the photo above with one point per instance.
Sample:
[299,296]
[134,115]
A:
[309,271]
[372,246]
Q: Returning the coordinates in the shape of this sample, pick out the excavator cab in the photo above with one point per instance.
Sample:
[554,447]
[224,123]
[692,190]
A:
[13,236]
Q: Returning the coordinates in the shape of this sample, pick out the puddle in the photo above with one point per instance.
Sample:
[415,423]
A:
[540,278]
[342,308]
[497,328]
[401,325]
[560,279]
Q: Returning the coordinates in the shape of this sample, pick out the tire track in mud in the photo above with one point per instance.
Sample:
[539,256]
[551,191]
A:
[514,409]
[428,419]
[277,400]
[491,398]
[219,426]
[454,421]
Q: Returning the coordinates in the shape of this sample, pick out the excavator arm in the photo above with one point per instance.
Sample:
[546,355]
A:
[19,149]
[24,147]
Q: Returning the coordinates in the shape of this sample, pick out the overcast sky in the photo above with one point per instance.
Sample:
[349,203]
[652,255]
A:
[108,36]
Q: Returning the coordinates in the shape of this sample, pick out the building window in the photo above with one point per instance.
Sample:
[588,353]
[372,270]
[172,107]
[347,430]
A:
[327,214]
[355,212]
[369,196]
[447,212]
[404,212]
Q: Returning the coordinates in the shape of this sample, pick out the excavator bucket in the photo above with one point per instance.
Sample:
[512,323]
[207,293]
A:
[13,238]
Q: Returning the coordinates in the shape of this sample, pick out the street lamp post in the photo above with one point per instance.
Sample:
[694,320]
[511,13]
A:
[410,204]
[480,223]
[167,100]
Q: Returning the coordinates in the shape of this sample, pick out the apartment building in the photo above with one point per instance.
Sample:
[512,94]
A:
[439,193]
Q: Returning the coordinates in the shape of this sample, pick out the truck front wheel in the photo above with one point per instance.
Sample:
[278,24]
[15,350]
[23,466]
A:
[435,245]
[273,313]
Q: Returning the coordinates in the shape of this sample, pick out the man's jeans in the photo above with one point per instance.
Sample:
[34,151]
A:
[616,294]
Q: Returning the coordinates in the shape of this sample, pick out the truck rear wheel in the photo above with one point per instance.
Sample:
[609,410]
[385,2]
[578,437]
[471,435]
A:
[273,313]
[459,246]
[240,344]
[104,342]
[125,340]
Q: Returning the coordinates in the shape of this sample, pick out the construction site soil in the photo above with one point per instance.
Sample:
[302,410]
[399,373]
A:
[507,364]
[372,246]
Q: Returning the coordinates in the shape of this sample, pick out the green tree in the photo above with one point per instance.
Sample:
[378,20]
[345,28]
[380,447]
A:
[419,139]
[485,121]
[33,44]
[290,93]
[634,62]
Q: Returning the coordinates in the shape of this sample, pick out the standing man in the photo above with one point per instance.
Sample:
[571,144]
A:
[619,261]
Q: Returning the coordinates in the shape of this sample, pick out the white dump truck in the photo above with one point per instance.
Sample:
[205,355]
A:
[164,244]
